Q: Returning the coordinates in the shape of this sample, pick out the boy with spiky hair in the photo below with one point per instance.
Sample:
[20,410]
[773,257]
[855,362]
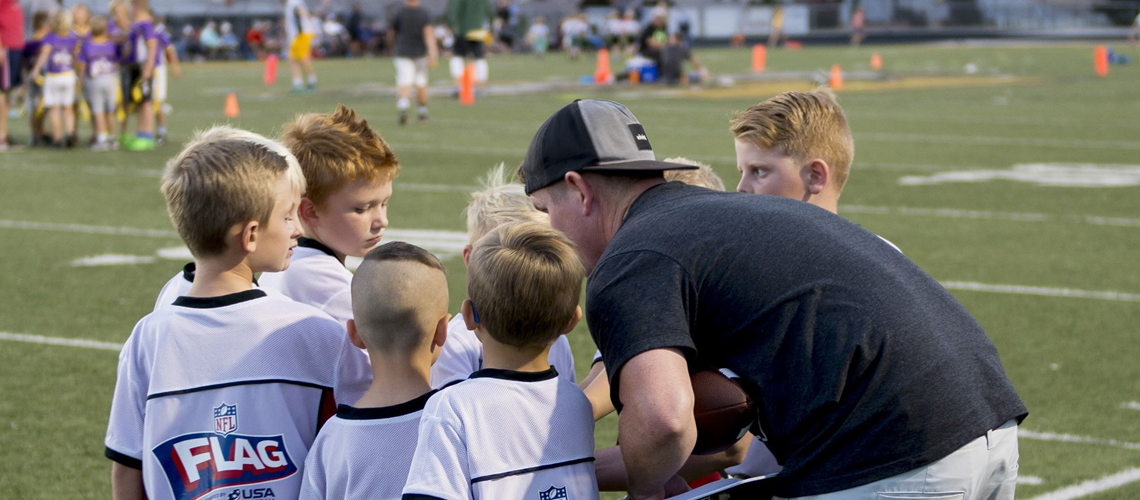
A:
[499,202]
[349,169]
[400,317]
[513,429]
[226,388]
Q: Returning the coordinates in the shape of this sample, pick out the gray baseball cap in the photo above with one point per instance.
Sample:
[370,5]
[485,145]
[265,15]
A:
[590,135]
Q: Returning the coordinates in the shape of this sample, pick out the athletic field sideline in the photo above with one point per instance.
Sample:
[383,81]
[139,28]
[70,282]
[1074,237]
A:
[1015,182]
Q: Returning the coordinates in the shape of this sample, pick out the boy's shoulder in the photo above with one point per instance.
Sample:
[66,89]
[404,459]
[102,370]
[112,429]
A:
[265,310]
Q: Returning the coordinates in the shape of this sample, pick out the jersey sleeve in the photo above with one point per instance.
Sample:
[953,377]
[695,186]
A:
[460,356]
[354,374]
[313,483]
[638,301]
[124,439]
[439,466]
[562,358]
[339,305]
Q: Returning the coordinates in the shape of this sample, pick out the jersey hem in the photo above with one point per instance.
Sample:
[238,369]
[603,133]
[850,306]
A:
[123,459]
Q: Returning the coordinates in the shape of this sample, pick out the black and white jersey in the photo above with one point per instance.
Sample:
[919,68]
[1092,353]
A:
[462,355]
[225,394]
[505,434]
[364,453]
[315,277]
[178,286]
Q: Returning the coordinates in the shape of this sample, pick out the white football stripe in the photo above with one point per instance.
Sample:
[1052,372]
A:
[1069,438]
[1131,405]
[112,259]
[40,339]
[1032,480]
[1039,290]
[1093,486]
[953,213]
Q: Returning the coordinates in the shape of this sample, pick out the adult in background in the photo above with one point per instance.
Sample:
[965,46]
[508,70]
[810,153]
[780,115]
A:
[414,38]
[653,39]
[468,20]
[299,42]
[869,376]
[11,48]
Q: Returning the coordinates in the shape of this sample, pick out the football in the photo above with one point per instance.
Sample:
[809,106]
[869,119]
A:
[722,409]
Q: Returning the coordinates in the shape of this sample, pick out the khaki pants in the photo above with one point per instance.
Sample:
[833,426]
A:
[984,469]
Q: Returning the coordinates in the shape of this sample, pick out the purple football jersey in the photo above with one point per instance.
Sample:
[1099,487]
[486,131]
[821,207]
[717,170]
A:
[62,48]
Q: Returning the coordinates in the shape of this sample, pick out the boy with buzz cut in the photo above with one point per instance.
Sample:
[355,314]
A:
[513,429]
[224,390]
[349,170]
[400,317]
[499,202]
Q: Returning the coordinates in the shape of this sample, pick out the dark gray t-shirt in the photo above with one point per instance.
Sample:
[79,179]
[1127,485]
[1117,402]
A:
[409,27]
[673,59]
[863,366]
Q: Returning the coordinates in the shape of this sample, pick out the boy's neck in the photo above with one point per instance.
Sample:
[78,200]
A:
[215,277]
[99,39]
[507,357]
[396,379]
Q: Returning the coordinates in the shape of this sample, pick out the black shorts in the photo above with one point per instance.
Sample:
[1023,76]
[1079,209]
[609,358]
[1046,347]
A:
[469,49]
[136,91]
[10,71]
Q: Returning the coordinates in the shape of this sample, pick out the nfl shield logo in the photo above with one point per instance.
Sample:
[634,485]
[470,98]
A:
[225,419]
[554,493]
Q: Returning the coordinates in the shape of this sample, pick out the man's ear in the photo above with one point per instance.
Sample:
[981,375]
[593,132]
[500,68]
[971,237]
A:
[248,236]
[580,188]
[308,212]
[817,175]
[468,311]
[577,317]
[354,335]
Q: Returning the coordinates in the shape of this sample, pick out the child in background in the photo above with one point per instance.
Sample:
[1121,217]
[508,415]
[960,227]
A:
[167,57]
[538,36]
[34,92]
[56,59]
[81,31]
[99,62]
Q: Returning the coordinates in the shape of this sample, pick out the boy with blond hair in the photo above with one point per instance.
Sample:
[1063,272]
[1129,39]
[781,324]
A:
[226,388]
[400,317]
[349,169]
[513,429]
[499,202]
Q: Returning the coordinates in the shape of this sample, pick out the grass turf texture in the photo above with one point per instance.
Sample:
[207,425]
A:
[1073,360]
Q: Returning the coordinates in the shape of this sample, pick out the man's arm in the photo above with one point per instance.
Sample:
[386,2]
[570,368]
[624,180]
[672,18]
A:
[429,41]
[126,483]
[656,429]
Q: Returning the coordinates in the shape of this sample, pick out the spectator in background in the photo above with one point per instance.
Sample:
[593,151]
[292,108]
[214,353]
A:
[445,38]
[574,29]
[1135,29]
[228,42]
[11,48]
[356,30]
[210,40]
[508,16]
[857,20]
[255,40]
[630,28]
[538,36]
[653,38]
[335,39]
[612,30]
[189,47]
[776,28]
[673,58]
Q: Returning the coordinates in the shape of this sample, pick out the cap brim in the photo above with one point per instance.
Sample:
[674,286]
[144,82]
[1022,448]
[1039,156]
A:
[638,165]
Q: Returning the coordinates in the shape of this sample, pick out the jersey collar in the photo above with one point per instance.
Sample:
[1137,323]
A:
[353,413]
[219,301]
[315,245]
[516,375]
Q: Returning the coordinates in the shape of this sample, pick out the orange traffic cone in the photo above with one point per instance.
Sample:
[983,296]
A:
[876,62]
[836,80]
[467,85]
[270,77]
[232,110]
[759,58]
[1100,60]
[602,74]
[635,76]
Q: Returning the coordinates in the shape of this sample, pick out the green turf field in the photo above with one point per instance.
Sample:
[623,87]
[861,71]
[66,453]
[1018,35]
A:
[1050,269]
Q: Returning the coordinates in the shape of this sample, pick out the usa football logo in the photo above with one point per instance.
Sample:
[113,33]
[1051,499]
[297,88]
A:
[225,419]
[553,493]
[198,463]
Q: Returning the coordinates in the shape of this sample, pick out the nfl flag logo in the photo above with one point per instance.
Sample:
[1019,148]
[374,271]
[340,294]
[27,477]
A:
[225,419]
[554,493]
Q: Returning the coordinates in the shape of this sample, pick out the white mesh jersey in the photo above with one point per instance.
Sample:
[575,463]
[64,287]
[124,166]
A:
[462,355]
[364,453]
[315,277]
[505,435]
[224,395]
[180,285]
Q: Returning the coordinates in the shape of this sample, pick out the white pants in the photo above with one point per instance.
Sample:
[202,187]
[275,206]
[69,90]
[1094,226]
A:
[984,469]
[103,93]
[158,85]
[59,89]
[411,72]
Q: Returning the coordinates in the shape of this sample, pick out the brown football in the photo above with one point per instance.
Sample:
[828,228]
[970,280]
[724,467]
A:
[722,409]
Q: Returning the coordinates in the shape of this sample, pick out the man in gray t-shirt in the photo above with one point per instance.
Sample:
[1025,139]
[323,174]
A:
[414,38]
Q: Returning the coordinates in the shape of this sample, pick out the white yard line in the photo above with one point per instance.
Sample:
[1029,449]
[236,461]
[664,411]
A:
[40,339]
[1131,405]
[1069,438]
[1090,487]
[1031,480]
[87,229]
[954,213]
[1039,290]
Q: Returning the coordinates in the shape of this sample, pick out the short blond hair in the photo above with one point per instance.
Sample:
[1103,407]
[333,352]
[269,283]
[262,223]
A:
[337,149]
[802,125]
[224,176]
[98,26]
[523,281]
[60,23]
[498,202]
[702,176]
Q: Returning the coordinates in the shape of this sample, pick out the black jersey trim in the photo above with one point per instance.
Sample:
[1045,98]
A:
[240,382]
[188,271]
[501,475]
[419,496]
[126,460]
[354,413]
[517,376]
[219,301]
[315,245]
